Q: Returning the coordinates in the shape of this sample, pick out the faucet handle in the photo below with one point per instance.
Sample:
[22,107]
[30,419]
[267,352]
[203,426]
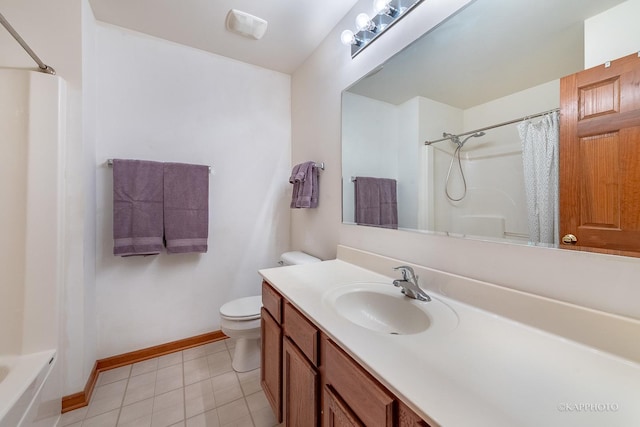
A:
[407,272]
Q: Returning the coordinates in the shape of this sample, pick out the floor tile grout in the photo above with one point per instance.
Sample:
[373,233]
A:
[244,390]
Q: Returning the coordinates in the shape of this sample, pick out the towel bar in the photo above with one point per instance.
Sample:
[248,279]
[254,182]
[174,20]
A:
[110,164]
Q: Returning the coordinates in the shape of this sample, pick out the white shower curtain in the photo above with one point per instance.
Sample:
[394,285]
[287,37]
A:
[540,160]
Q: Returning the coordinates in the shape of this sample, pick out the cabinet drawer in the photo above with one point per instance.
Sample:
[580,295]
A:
[272,301]
[369,401]
[302,332]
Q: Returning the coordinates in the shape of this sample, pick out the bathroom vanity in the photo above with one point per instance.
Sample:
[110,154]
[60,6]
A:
[307,376]
[333,353]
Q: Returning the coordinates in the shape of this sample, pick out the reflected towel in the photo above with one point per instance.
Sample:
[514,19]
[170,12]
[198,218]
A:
[186,207]
[305,180]
[376,202]
[137,207]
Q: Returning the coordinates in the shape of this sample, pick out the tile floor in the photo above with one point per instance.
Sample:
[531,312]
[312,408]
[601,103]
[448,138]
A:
[191,388]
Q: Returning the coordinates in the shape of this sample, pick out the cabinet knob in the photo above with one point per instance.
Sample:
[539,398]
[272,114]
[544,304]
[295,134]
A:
[569,239]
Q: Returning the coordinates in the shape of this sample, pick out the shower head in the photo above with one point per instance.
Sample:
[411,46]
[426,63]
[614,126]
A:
[473,135]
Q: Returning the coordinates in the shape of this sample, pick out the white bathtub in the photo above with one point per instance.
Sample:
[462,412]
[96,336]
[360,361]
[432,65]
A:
[22,379]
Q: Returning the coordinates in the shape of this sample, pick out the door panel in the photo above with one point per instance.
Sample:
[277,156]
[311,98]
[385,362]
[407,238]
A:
[600,157]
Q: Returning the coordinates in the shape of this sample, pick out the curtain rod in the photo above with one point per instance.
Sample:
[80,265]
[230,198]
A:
[43,67]
[532,116]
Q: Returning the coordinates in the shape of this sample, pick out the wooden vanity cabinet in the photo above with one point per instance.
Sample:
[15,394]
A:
[271,351]
[310,381]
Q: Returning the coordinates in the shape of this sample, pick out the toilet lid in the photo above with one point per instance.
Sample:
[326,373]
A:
[242,308]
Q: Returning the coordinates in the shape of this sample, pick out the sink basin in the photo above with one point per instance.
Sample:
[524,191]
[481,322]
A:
[382,308]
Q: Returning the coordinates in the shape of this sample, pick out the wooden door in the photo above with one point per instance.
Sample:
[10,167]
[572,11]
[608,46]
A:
[271,363]
[600,157]
[336,412]
[301,385]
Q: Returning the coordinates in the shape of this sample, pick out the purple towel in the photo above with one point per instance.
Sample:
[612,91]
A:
[305,180]
[186,207]
[376,202]
[137,207]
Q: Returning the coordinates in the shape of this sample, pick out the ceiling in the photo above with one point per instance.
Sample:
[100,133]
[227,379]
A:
[295,27]
[490,49]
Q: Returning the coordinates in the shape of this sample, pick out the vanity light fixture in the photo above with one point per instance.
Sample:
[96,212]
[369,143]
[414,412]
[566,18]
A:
[384,7]
[386,13]
[364,23]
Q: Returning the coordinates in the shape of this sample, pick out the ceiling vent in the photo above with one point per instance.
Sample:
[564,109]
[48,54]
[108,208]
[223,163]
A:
[245,24]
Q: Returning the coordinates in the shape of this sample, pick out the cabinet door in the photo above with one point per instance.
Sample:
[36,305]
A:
[336,412]
[407,418]
[301,382]
[271,367]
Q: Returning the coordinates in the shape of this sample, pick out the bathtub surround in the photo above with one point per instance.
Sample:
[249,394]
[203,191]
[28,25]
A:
[32,117]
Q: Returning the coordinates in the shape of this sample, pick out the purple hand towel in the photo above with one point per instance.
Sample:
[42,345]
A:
[137,207]
[186,207]
[305,180]
[376,202]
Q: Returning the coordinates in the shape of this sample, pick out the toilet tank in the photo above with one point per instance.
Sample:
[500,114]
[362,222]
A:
[296,258]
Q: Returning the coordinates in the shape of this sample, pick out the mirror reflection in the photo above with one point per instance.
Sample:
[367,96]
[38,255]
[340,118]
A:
[482,90]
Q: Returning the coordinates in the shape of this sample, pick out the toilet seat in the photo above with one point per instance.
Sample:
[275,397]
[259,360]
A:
[241,309]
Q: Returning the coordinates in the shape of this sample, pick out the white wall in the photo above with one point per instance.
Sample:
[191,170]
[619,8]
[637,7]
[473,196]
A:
[612,34]
[600,281]
[408,132]
[161,101]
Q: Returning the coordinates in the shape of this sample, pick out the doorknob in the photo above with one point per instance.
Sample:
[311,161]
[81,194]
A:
[569,239]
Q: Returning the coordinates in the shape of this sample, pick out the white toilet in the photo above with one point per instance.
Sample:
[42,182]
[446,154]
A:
[240,320]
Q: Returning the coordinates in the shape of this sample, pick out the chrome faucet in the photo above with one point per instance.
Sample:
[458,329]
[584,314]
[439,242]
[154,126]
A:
[409,284]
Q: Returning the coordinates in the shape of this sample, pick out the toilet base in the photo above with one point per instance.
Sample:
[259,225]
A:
[246,356]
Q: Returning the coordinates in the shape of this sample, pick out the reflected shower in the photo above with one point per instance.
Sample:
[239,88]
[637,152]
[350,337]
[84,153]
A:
[459,144]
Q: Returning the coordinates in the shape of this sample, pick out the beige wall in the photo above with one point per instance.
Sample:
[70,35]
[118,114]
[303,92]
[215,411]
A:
[604,282]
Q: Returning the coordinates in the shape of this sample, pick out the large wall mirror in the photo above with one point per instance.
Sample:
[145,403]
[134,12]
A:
[492,63]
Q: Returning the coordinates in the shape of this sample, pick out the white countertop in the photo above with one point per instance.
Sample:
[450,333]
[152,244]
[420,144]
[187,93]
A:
[488,371]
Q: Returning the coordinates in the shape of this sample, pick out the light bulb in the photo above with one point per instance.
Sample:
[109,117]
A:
[364,23]
[347,37]
[381,6]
